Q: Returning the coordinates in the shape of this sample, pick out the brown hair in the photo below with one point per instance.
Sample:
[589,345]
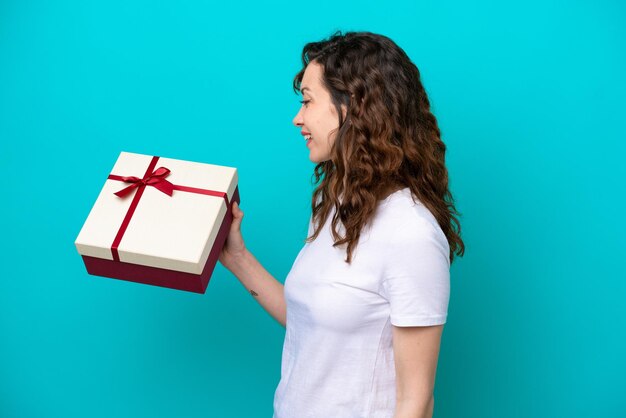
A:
[389,137]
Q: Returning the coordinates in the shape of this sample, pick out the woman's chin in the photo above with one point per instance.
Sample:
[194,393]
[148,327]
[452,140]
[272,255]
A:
[315,158]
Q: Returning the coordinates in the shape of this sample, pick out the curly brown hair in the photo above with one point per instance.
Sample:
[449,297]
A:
[389,137]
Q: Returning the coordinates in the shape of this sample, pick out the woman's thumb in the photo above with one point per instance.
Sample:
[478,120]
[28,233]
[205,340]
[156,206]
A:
[237,212]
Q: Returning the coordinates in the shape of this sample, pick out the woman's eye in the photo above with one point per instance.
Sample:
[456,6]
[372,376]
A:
[304,102]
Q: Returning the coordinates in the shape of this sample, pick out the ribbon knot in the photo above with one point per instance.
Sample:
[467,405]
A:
[156,179]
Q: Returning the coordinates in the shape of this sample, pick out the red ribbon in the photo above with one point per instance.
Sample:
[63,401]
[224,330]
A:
[156,179]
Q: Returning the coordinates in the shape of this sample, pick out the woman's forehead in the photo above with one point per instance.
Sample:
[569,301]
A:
[311,79]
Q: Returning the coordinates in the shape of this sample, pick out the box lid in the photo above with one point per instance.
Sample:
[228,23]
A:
[172,232]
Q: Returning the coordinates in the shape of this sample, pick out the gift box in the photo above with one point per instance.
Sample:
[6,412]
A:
[159,221]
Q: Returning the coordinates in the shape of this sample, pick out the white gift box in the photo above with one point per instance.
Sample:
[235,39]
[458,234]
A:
[165,227]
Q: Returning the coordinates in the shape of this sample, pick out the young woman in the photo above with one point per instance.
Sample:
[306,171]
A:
[367,296]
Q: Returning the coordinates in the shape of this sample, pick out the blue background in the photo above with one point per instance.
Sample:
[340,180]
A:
[530,101]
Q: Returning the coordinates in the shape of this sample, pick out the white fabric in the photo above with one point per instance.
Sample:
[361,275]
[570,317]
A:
[337,355]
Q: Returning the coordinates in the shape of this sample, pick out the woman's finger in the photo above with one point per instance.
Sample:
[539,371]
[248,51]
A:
[237,216]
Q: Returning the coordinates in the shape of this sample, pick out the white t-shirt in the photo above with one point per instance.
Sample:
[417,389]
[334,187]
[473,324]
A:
[337,355]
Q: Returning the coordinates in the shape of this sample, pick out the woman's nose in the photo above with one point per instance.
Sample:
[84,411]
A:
[297,120]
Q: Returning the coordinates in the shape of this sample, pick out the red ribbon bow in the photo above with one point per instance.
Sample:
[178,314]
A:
[156,179]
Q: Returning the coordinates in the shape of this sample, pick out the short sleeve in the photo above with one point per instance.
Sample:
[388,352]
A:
[417,277]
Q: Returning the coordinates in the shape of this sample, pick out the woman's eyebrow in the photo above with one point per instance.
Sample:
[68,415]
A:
[304,88]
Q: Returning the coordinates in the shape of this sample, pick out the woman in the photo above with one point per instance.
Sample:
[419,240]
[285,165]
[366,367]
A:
[363,322]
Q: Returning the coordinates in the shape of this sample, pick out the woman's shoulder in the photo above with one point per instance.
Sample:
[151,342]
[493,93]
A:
[403,216]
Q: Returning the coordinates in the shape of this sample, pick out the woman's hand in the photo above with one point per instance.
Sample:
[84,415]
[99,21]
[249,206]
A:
[234,247]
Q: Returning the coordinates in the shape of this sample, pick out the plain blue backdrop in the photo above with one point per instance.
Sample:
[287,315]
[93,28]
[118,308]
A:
[530,101]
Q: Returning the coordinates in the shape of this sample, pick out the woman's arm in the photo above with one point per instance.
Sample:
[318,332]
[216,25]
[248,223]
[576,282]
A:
[235,257]
[416,350]
[266,289]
